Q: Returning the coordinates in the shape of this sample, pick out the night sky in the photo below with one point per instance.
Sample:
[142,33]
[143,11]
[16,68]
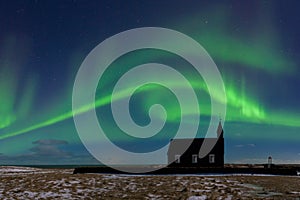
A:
[255,45]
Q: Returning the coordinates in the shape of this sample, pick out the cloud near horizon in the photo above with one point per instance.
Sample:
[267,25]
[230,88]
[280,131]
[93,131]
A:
[49,147]
[245,145]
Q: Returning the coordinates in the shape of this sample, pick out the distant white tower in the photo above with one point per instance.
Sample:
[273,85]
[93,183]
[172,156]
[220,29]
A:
[269,162]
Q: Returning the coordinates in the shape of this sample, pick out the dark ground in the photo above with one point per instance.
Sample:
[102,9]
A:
[32,183]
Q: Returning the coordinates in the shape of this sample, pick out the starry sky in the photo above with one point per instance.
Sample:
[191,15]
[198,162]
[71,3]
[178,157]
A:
[255,45]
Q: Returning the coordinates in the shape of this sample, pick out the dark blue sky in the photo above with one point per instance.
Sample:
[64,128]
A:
[255,45]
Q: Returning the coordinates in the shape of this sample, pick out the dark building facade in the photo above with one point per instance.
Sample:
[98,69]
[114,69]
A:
[191,158]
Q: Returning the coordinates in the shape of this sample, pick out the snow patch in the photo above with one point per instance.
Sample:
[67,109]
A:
[202,197]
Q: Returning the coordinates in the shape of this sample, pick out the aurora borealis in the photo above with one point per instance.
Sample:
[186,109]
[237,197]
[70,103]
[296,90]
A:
[253,43]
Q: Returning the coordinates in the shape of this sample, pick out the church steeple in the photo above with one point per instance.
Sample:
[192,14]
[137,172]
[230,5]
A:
[220,130]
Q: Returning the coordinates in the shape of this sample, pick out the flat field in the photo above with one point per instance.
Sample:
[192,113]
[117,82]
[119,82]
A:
[33,183]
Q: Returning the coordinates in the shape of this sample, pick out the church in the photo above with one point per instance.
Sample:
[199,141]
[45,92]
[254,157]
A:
[190,158]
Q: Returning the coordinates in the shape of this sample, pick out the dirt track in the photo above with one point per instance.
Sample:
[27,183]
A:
[30,183]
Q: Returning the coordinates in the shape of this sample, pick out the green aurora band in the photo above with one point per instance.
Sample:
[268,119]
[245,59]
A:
[262,55]
[7,88]
[258,48]
[240,108]
[9,102]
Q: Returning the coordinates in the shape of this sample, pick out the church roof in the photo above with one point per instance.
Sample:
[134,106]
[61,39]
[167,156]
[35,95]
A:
[180,145]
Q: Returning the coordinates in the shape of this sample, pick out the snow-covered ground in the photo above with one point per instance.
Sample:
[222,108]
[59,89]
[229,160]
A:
[34,183]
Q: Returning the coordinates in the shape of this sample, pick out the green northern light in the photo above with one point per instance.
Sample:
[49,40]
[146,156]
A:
[238,49]
[240,108]
[6,104]
[255,51]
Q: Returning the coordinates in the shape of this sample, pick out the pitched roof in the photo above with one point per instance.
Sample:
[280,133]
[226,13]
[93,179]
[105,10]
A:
[180,145]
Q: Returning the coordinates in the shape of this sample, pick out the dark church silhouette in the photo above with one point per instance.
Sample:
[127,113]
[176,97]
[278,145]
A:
[190,158]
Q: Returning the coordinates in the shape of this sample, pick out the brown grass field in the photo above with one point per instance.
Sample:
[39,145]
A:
[33,183]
